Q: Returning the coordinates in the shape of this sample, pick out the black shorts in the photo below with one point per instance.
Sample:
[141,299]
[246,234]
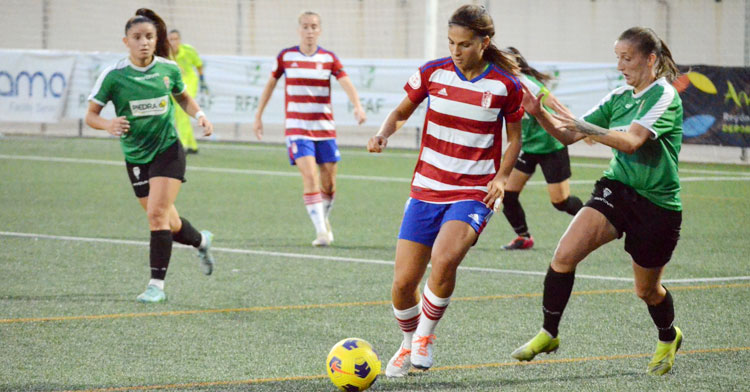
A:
[170,163]
[651,231]
[555,165]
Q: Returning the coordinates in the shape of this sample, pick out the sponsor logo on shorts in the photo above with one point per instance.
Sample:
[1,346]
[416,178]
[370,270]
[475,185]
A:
[139,183]
[606,192]
[603,200]
[294,148]
[475,218]
[149,107]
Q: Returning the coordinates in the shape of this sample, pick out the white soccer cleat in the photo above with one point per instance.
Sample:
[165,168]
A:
[421,351]
[400,364]
[323,239]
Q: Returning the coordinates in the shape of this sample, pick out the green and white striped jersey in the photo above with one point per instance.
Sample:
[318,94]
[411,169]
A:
[141,94]
[535,140]
[652,169]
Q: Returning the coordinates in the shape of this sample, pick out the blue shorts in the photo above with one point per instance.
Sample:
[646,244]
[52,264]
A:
[324,151]
[422,221]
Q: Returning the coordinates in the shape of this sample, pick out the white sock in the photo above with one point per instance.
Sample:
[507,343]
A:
[314,205]
[157,282]
[327,202]
[408,319]
[433,308]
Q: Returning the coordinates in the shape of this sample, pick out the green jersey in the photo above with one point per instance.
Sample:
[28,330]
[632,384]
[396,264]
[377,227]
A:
[141,94]
[535,140]
[652,169]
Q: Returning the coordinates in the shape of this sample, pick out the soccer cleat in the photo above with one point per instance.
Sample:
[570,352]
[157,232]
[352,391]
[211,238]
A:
[543,342]
[421,353]
[152,295]
[663,358]
[204,254]
[520,242]
[324,239]
[330,231]
[400,364]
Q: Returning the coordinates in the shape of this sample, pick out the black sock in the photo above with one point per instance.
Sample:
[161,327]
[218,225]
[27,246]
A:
[663,316]
[188,235]
[557,289]
[571,205]
[514,213]
[161,251]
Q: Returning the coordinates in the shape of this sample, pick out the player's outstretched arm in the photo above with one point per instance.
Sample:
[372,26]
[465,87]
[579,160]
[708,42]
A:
[552,124]
[392,123]
[116,126]
[188,104]
[265,96]
[351,92]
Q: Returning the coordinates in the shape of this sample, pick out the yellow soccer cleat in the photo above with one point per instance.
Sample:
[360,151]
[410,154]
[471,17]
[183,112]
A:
[543,342]
[663,358]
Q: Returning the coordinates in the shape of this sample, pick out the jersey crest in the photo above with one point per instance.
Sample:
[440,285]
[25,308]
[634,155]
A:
[486,99]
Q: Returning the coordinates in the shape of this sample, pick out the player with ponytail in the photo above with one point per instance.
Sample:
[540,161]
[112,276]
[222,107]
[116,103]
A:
[140,87]
[460,175]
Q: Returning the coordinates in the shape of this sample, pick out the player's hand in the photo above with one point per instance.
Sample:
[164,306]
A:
[204,88]
[208,128]
[377,143]
[567,122]
[258,128]
[588,140]
[531,104]
[118,126]
[495,193]
[360,115]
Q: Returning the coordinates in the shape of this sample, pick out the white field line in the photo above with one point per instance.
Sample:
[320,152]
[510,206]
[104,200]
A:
[352,259]
[295,174]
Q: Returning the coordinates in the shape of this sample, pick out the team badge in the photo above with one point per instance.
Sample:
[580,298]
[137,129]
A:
[606,192]
[318,66]
[137,172]
[415,80]
[486,99]
[166,81]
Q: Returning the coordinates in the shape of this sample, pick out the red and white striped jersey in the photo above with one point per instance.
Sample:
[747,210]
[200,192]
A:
[462,133]
[308,92]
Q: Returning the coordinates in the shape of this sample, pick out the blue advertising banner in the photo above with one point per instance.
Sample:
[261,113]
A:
[716,103]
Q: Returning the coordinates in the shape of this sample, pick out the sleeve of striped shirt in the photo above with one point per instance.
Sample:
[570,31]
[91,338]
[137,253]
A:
[416,88]
[337,69]
[278,67]
[512,109]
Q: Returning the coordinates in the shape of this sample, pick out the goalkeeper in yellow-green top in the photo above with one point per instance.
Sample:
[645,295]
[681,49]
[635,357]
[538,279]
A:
[189,61]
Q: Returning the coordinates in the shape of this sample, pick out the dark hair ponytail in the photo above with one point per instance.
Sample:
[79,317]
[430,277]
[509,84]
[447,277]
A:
[648,42]
[145,15]
[526,68]
[477,19]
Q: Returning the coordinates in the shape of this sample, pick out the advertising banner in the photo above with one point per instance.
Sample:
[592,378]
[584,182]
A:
[716,105]
[34,85]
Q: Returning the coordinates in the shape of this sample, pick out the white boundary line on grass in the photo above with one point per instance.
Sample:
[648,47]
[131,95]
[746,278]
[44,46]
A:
[353,259]
[340,176]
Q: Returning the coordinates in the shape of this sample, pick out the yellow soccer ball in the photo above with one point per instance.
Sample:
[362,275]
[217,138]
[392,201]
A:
[352,365]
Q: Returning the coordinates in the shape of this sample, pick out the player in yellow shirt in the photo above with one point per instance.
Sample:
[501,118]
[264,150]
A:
[188,60]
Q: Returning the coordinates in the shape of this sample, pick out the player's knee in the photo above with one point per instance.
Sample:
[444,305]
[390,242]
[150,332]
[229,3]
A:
[649,294]
[158,216]
[404,287]
[565,258]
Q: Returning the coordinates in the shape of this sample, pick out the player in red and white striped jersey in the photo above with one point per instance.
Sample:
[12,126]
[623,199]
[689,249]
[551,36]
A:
[459,178]
[310,130]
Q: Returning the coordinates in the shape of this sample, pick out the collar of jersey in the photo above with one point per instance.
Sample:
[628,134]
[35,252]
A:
[317,49]
[655,82]
[480,76]
[142,69]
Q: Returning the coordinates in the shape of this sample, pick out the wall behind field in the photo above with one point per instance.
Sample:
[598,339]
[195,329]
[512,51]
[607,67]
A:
[698,31]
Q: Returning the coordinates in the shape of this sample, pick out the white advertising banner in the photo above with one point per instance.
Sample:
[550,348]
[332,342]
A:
[34,85]
[47,86]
